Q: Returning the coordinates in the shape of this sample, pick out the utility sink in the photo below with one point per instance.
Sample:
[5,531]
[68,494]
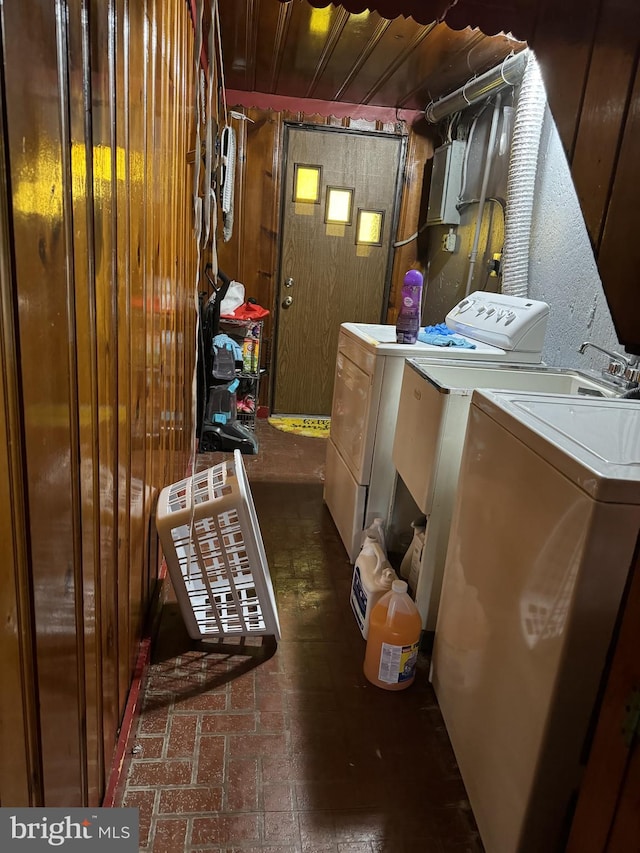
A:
[433,411]
[459,378]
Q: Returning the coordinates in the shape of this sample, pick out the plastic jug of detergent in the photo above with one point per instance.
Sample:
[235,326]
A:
[394,637]
[410,565]
[372,577]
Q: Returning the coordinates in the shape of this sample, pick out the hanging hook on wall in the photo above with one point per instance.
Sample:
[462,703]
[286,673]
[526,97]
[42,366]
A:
[507,82]
[241,116]
[468,83]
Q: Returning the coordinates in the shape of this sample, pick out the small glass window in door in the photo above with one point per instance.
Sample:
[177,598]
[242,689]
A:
[339,204]
[306,183]
[369,227]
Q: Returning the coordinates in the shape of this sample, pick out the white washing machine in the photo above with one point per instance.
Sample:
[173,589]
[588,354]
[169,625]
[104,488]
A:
[359,472]
[434,405]
[545,525]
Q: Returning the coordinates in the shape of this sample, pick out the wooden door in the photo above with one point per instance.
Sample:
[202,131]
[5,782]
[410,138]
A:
[327,277]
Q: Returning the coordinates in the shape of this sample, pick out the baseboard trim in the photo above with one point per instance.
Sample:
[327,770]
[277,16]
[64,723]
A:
[130,715]
[132,707]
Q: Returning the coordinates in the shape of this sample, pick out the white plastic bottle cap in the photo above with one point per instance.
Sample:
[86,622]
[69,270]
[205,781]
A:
[399,586]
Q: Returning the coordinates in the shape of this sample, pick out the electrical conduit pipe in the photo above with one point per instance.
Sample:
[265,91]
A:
[488,160]
[523,164]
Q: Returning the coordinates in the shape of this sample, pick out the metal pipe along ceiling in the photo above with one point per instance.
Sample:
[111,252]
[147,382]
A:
[508,73]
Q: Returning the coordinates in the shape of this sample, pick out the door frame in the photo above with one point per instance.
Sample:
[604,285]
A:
[397,199]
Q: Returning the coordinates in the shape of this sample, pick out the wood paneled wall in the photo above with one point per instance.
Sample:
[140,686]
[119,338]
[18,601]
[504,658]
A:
[97,330]
[589,56]
[252,254]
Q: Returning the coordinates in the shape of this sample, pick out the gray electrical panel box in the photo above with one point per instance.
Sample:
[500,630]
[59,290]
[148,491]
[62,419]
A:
[446,180]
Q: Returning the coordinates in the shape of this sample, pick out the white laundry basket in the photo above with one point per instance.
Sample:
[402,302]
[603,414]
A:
[211,540]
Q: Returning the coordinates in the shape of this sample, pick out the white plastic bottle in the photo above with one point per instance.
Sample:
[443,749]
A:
[393,641]
[376,531]
[410,565]
[372,577]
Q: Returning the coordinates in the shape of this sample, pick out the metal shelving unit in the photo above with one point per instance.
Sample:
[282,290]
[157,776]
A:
[248,335]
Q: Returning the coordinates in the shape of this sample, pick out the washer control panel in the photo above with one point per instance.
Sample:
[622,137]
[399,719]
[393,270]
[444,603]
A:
[513,323]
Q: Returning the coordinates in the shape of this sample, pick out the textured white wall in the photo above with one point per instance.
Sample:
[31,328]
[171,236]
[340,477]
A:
[562,269]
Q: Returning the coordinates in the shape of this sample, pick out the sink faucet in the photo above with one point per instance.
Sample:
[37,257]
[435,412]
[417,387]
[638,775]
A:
[622,369]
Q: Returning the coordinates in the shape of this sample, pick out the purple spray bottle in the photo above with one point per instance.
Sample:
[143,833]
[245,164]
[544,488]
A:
[408,322]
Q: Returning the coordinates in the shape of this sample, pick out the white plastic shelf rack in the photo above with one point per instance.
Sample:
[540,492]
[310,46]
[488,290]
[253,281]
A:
[212,543]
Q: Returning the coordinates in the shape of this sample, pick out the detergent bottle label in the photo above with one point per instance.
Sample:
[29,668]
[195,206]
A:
[358,598]
[397,663]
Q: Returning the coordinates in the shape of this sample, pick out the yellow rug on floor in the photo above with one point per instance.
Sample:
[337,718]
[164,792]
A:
[311,427]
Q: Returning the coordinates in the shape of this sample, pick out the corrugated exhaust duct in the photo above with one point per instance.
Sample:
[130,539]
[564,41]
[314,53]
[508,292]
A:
[523,167]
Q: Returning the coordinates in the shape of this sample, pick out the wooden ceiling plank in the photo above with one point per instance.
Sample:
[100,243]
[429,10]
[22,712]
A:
[399,61]
[252,29]
[493,18]
[500,16]
[380,30]
[275,48]
[441,44]
[443,64]
[284,19]
[234,45]
[354,41]
[333,38]
[305,44]
[264,28]
[397,36]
